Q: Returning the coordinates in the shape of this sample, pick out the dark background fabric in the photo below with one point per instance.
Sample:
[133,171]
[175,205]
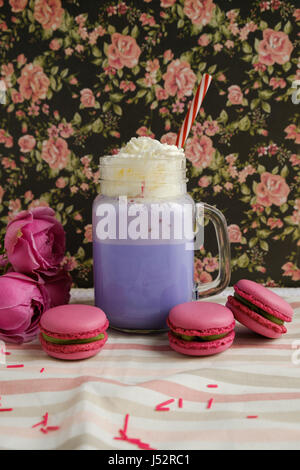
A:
[106,106]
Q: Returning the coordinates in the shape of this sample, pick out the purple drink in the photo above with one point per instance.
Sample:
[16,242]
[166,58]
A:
[137,284]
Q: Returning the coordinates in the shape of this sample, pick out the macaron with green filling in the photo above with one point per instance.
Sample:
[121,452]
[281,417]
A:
[260,309]
[73,331]
[200,328]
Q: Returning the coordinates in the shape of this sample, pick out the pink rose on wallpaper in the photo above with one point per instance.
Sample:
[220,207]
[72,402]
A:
[88,233]
[272,190]
[56,153]
[291,270]
[18,5]
[16,97]
[199,11]
[1,194]
[292,133]
[27,143]
[55,45]
[179,79]
[87,98]
[48,13]
[161,94]
[235,94]
[274,47]
[169,138]
[204,181]
[33,83]
[123,52]
[200,151]
[203,40]
[167,3]
[35,242]
[235,234]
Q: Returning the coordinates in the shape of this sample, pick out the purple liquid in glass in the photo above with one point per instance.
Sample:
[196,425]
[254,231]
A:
[137,284]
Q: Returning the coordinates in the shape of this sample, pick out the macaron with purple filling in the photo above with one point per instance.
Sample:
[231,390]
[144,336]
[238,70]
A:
[73,331]
[260,309]
[200,328]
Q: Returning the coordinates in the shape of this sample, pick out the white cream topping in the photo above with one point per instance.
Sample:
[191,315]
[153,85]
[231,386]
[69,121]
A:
[144,167]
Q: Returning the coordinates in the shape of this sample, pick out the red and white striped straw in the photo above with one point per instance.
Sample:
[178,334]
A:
[193,110]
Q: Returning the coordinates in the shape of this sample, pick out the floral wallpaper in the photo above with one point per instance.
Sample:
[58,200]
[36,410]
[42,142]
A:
[79,78]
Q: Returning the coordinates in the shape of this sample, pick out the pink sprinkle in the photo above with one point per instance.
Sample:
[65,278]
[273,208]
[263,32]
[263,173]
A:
[44,430]
[180,402]
[46,419]
[126,424]
[42,423]
[38,424]
[52,428]
[124,437]
[6,409]
[15,366]
[252,417]
[161,406]
[209,405]
[212,386]
[42,370]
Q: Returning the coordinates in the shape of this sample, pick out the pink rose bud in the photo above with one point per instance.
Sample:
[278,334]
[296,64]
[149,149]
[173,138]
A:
[35,242]
[22,302]
[58,288]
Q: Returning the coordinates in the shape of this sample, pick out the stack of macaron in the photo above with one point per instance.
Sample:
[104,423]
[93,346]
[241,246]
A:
[205,328]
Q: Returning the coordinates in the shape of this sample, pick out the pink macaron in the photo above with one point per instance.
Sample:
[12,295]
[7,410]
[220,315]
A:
[73,331]
[200,328]
[260,309]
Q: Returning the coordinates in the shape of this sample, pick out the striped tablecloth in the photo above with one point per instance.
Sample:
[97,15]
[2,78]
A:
[88,400]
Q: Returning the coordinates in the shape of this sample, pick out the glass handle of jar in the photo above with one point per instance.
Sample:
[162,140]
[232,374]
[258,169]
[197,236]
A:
[220,225]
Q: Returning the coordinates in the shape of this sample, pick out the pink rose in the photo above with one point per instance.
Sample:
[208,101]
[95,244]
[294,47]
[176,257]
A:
[272,190]
[274,48]
[205,277]
[55,45]
[27,143]
[48,13]
[58,288]
[123,52]
[211,264]
[56,153]
[161,94]
[87,98]
[235,94]
[88,233]
[18,5]
[292,133]
[235,234]
[167,3]
[169,138]
[35,242]
[16,97]
[179,79]
[204,181]
[22,302]
[200,151]
[203,40]
[33,83]
[2,191]
[199,11]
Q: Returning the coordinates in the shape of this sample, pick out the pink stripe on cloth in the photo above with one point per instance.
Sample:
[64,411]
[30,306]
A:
[177,390]
[162,386]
